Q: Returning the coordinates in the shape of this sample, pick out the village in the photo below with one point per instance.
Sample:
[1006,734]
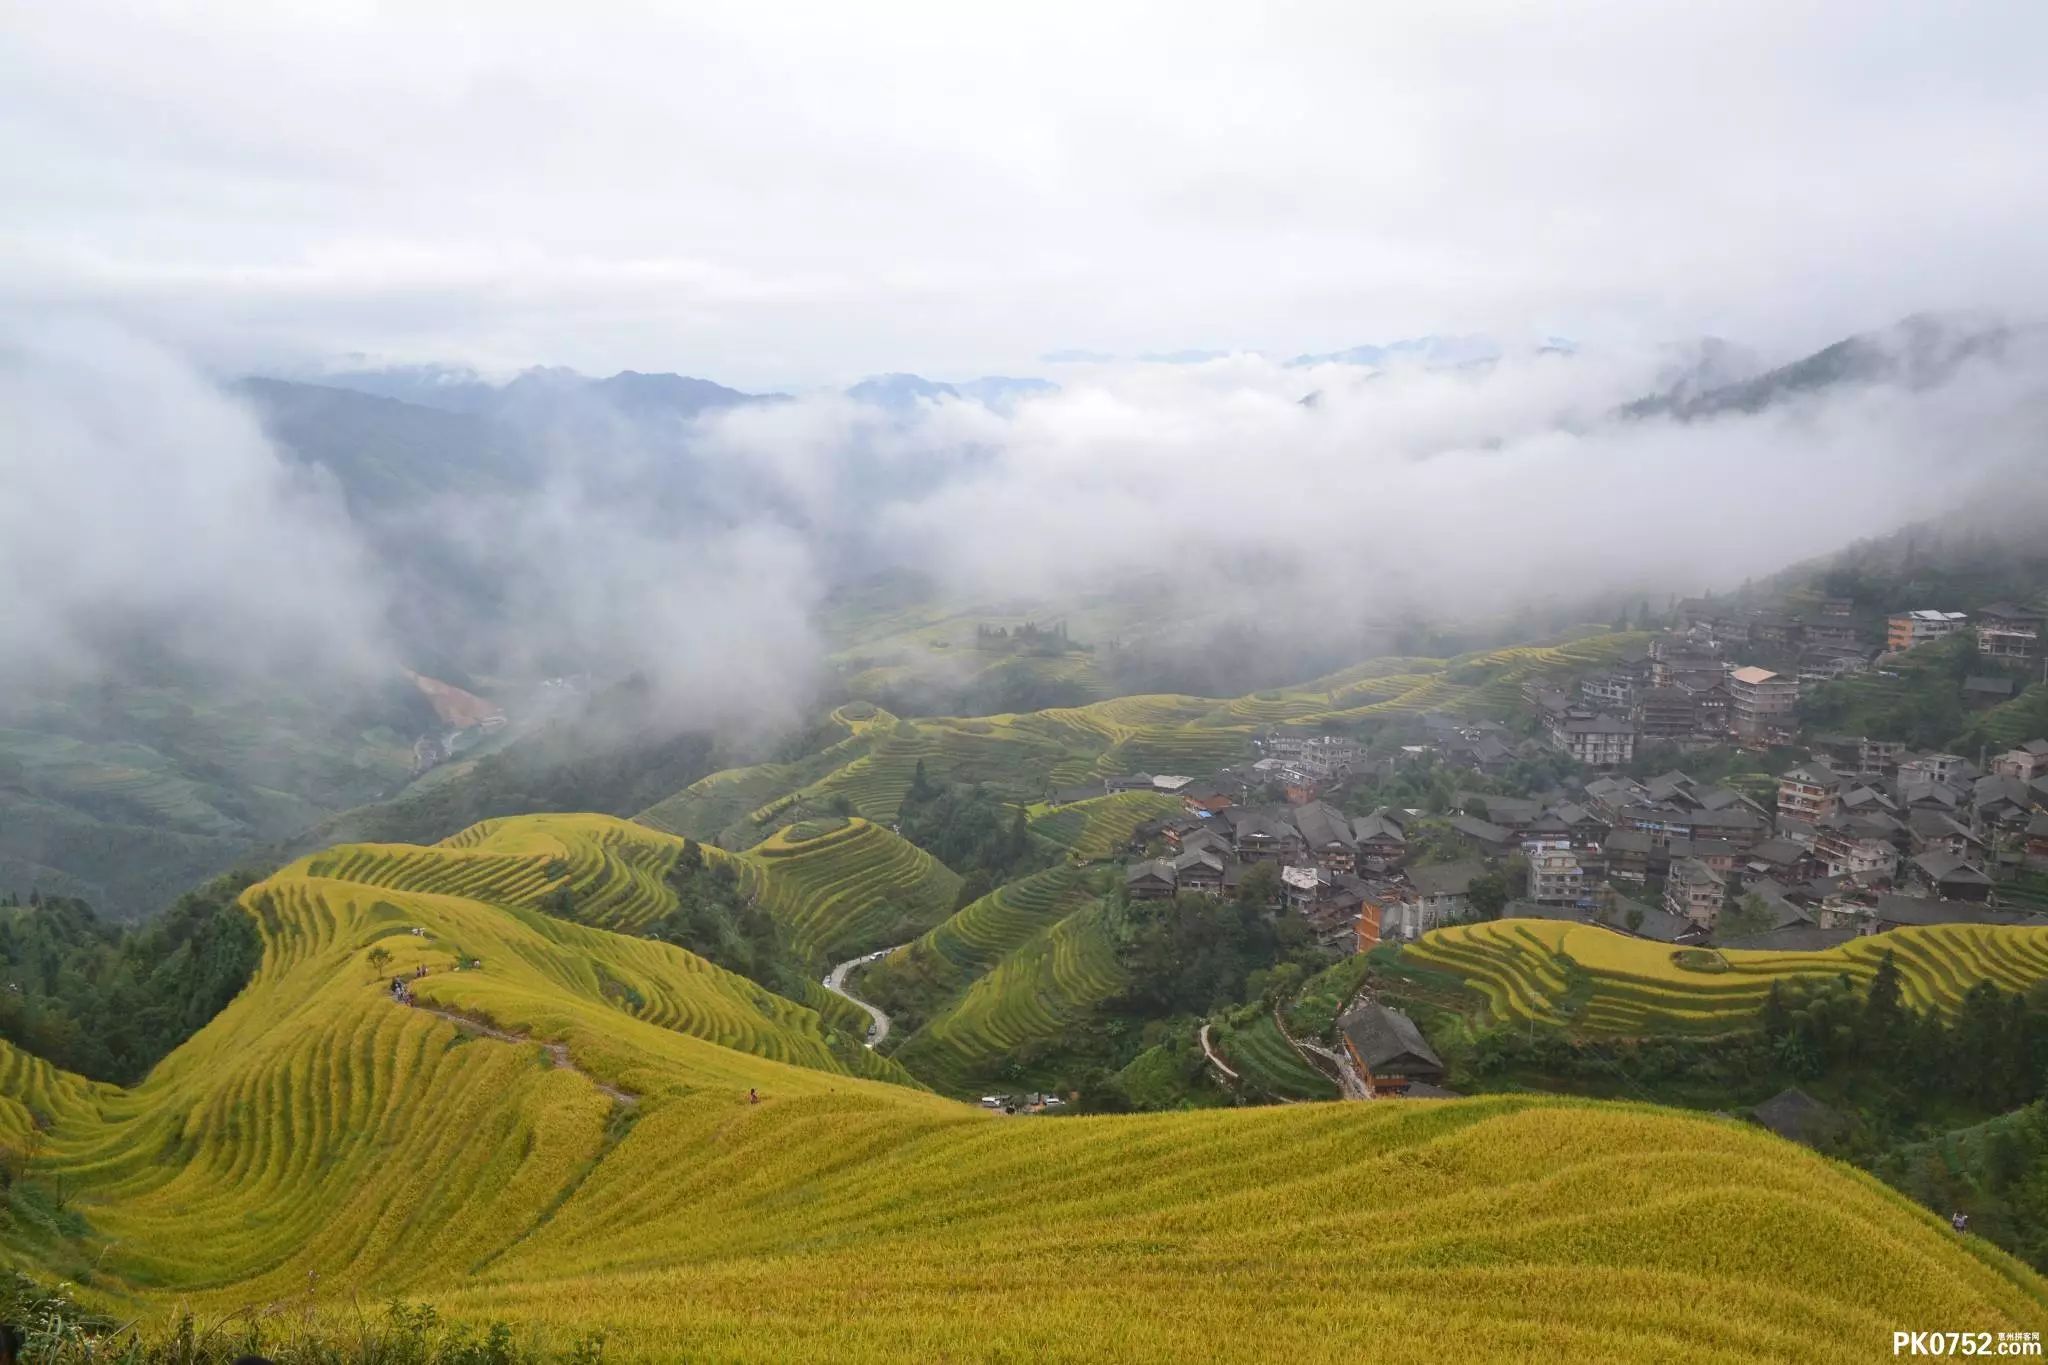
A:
[1852,835]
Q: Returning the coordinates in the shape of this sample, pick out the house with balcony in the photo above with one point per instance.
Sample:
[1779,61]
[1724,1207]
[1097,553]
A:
[1860,846]
[1380,839]
[1860,755]
[2025,762]
[1612,691]
[2008,632]
[1598,741]
[1557,873]
[1807,795]
[1694,892]
[1910,629]
[1760,704]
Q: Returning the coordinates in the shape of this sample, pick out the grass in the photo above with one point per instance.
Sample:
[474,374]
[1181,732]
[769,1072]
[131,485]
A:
[316,1148]
[1597,981]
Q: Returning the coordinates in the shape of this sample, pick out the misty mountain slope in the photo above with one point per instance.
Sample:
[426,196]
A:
[386,454]
[537,392]
[129,795]
[1918,352]
[1022,757]
[564,1139]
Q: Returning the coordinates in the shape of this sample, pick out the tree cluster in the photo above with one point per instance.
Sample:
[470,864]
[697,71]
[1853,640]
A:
[1197,954]
[110,1002]
[968,830]
[716,920]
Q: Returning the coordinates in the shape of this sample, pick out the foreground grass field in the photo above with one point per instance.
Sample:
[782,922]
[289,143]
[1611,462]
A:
[1596,980]
[318,1147]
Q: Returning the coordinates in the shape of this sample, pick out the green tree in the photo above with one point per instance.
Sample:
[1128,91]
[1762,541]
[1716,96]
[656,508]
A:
[379,958]
[1748,916]
[1488,895]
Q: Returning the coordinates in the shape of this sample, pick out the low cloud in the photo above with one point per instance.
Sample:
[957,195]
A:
[145,509]
[1321,503]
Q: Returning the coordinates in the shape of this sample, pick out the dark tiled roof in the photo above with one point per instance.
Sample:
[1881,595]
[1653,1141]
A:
[1485,831]
[1445,879]
[1798,1116]
[1918,910]
[1388,1039]
[1323,825]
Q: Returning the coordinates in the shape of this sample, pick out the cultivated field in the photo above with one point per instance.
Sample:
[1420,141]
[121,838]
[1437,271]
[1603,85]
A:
[1597,980]
[1037,992]
[318,1147]
[1022,757]
[1101,828]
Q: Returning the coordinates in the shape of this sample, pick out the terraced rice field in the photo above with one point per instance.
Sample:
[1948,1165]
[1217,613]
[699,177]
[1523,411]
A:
[1056,978]
[855,888]
[1021,757]
[944,961]
[1596,980]
[840,893]
[1267,1064]
[1101,827]
[317,1148]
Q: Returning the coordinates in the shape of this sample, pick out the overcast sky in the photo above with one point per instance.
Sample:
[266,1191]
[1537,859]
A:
[787,196]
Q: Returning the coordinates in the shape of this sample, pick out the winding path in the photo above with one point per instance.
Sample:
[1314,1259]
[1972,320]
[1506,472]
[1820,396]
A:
[559,1051]
[835,982]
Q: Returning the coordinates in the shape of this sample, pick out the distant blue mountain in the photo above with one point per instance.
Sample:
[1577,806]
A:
[1186,357]
[542,390]
[901,392]
[1428,352]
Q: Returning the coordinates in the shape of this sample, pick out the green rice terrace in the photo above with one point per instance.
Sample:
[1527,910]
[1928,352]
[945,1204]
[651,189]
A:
[1594,980]
[1022,757]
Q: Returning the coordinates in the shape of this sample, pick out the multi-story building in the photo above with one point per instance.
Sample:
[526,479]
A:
[1671,660]
[1694,891]
[1596,741]
[2027,762]
[1616,691]
[1906,629]
[1936,770]
[1860,755]
[1557,872]
[1834,635]
[2009,632]
[1760,702]
[1665,712]
[1806,795]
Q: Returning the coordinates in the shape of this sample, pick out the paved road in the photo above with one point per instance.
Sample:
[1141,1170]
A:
[835,982]
[1214,1060]
[1349,1083]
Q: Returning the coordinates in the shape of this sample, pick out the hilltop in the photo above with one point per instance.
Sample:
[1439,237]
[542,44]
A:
[584,1155]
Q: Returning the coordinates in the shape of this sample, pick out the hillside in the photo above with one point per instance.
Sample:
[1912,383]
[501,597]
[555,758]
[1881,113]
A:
[126,794]
[1599,981]
[319,1147]
[1023,756]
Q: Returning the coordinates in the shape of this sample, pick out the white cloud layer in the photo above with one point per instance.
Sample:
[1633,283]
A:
[782,195]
